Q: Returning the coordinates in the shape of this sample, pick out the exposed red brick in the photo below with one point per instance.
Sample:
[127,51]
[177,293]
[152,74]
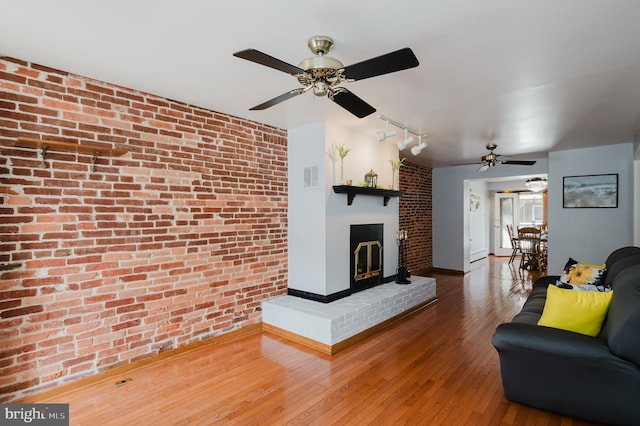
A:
[134,239]
[130,308]
[17,386]
[80,360]
[416,216]
[21,311]
[12,77]
[126,324]
[120,302]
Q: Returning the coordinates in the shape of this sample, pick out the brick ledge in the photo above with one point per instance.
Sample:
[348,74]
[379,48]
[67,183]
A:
[333,326]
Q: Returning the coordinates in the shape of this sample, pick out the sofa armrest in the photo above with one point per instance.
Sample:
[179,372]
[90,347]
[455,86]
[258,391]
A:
[530,339]
[542,366]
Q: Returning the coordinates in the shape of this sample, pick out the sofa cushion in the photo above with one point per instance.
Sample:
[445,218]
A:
[621,253]
[533,306]
[619,266]
[622,327]
[578,311]
[617,255]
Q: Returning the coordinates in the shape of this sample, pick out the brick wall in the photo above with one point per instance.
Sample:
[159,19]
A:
[416,216]
[178,240]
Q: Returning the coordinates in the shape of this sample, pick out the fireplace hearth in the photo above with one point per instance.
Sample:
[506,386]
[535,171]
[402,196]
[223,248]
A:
[366,256]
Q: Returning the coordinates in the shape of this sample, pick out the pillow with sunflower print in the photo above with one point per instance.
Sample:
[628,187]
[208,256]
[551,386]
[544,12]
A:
[579,274]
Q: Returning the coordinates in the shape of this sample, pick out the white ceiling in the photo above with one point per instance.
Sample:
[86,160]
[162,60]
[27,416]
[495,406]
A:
[540,75]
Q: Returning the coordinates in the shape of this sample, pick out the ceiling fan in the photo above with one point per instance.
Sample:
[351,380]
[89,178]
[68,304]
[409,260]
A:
[324,74]
[492,159]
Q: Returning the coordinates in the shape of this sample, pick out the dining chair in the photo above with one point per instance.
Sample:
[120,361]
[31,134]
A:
[529,245]
[514,244]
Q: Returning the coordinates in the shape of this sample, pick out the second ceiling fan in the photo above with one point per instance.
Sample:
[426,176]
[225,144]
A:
[492,159]
[324,74]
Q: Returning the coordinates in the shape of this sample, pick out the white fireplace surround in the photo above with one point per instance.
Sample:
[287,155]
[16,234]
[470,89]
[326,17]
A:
[319,220]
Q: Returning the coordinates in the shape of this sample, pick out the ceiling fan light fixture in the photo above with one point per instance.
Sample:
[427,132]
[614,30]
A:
[320,88]
[324,74]
[536,184]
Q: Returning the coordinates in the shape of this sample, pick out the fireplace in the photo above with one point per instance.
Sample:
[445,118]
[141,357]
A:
[366,257]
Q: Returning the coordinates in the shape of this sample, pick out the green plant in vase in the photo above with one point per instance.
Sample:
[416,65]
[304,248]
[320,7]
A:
[395,166]
[343,151]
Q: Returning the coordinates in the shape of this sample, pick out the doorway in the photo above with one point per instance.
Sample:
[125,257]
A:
[506,214]
[517,209]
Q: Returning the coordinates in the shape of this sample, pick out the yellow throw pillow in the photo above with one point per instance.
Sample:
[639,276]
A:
[578,311]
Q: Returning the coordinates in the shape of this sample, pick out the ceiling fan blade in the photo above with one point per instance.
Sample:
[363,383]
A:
[465,164]
[391,62]
[258,57]
[351,102]
[271,102]
[483,168]
[519,162]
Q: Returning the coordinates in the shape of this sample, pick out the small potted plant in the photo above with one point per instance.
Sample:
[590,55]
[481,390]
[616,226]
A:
[343,151]
[395,165]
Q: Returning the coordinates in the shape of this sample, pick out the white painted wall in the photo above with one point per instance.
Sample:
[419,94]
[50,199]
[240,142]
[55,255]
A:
[306,218]
[450,205]
[319,219]
[587,234]
[478,222]
[590,234]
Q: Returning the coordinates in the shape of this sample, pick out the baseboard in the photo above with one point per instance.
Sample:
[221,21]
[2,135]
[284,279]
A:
[337,347]
[296,338]
[447,271]
[117,373]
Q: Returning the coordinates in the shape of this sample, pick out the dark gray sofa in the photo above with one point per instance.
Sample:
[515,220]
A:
[593,378]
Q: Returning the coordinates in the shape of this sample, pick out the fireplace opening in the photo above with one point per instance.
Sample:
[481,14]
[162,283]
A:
[366,257]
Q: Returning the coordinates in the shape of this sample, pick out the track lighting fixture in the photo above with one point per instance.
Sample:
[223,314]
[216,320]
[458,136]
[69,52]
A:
[407,140]
[418,148]
[386,134]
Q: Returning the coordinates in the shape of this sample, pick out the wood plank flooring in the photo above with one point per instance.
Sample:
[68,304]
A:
[435,367]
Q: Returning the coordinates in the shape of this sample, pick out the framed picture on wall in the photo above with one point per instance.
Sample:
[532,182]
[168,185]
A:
[474,202]
[590,191]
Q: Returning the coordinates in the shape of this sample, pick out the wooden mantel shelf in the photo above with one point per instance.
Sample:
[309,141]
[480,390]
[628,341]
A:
[69,147]
[352,191]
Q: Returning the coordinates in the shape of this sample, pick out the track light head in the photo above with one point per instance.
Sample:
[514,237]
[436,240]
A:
[418,148]
[402,145]
[384,135]
[407,140]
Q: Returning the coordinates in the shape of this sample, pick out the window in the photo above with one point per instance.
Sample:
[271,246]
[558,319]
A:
[531,209]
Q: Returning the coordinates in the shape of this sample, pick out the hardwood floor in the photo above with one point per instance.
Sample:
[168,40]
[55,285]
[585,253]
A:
[435,367]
